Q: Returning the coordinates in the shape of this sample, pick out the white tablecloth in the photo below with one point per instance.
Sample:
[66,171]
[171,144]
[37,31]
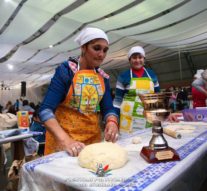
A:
[60,171]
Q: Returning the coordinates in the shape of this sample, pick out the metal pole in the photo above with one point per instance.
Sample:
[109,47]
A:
[181,75]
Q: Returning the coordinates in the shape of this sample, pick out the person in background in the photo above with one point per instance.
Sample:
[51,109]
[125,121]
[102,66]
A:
[32,105]
[12,110]
[130,83]
[7,107]
[26,106]
[182,99]
[173,98]
[20,103]
[186,101]
[16,105]
[199,89]
[69,109]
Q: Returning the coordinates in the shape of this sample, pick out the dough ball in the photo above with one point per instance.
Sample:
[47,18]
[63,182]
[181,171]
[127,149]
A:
[105,153]
[136,140]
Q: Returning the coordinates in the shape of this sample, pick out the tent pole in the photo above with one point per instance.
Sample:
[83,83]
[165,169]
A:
[179,55]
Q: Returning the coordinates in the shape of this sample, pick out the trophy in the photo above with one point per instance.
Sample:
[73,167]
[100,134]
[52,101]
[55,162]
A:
[156,110]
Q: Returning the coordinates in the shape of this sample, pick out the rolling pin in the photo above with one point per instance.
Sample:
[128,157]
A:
[172,133]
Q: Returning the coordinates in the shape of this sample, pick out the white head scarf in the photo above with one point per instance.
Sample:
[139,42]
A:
[204,75]
[89,34]
[136,49]
[198,73]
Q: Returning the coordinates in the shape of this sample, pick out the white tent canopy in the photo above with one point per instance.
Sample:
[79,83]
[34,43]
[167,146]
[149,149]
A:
[36,36]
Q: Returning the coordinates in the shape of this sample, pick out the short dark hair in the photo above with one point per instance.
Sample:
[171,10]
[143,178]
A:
[25,102]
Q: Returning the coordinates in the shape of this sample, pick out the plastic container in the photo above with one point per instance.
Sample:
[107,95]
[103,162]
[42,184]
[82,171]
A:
[23,119]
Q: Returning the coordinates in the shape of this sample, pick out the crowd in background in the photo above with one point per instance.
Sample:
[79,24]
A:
[35,124]
[180,98]
[18,105]
[193,97]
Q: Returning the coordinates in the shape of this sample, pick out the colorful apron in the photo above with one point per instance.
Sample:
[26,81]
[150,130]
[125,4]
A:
[77,115]
[131,110]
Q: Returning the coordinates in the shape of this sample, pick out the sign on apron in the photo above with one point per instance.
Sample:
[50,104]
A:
[131,110]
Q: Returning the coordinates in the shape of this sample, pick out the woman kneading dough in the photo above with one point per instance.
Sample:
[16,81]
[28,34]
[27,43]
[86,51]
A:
[76,92]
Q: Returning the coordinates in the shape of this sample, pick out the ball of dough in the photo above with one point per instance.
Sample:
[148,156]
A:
[105,153]
[136,140]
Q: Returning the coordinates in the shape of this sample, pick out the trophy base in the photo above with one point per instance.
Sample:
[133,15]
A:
[161,155]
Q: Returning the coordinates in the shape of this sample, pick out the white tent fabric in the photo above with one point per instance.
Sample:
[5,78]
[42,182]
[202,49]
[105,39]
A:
[36,36]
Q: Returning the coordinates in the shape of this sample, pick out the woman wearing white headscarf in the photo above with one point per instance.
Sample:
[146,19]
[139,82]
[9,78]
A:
[199,89]
[136,80]
[69,110]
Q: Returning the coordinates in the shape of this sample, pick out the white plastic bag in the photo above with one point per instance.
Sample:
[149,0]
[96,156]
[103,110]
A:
[7,120]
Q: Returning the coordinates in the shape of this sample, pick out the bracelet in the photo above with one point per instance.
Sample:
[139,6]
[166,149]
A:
[114,121]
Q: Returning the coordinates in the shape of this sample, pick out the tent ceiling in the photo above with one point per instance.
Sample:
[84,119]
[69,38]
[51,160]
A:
[28,30]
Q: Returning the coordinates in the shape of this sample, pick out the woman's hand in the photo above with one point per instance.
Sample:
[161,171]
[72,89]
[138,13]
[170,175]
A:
[72,147]
[111,130]
[173,118]
[64,142]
